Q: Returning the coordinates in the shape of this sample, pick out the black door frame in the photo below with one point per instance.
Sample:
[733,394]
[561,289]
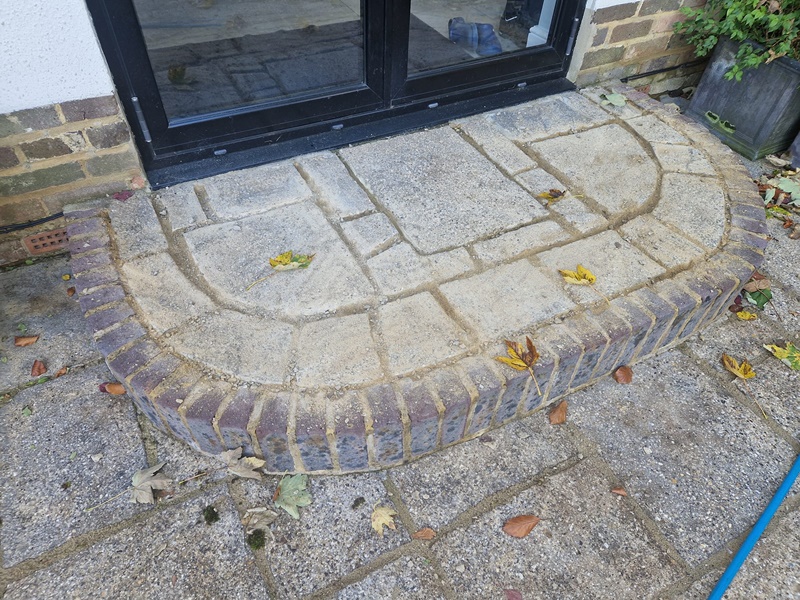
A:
[388,102]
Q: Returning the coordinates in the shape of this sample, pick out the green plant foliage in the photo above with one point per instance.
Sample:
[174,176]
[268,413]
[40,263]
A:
[772,24]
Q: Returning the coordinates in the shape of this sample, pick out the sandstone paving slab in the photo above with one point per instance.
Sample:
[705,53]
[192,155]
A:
[164,294]
[652,129]
[660,242]
[597,94]
[694,205]
[76,448]
[578,215]
[510,245]
[182,206]
[416,328]
[444,193]
[616,264]
[400,269]
[254,348]
[371,233]
[702,465]
[334,535]
[589,544]
[507,298]
[683,159]
[171,554]
[333,184]
[438,488]
[607,164]
[409,578]
[499,148]
[258,189]
[782,258]
[136,227]
[233,255]
[547,117]
[337,351]
[35,297]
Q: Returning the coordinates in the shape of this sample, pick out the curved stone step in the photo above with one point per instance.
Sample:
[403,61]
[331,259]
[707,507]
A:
[431,248]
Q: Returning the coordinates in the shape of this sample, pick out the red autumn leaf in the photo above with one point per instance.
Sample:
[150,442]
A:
[38,368]
[520,526]
[71,291]
[112,387]
[60,372]
[623,374]
[426,533]
[512,595]
[619,491]
[558,415]
[25,340]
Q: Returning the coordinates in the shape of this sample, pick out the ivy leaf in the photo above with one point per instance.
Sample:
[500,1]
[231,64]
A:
[242,467]
[383,516]
[582,276]
[743,370]
[759,298]
[147,480]
[292,493]
[289,261]
[746,315]
[790,356]
[614,99]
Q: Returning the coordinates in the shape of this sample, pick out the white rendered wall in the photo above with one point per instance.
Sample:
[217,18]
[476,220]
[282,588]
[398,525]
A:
[49,53]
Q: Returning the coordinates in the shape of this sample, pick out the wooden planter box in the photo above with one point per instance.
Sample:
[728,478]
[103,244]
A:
[756,116]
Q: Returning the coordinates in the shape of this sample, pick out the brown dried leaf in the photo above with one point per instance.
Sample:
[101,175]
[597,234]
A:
[38,368]
[619,491]
[743,371]
[60,372]
[25,340]
[112,387]
[426,533]
[70,291]
[520,526]
[623,375]
[558,415]
[512,594]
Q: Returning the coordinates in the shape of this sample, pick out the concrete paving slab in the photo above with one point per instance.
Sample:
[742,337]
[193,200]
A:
[589,544]
[597,94]
[442,194]
[699,216]
[578,215]
[660,242]
[497,147]
[507,246]
[137,226]
[172,554]
[57,462]
[182,206]
[370,234]
[702,465]
[683,159]
[335,188]
[653,130]
[409,578]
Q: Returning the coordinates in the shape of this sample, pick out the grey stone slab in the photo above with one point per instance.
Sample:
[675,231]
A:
[438,488]
[694,205]
[498,147]
[449,264]
[702,465]
[507,246]
[616,264]
[164,294]
[775,388]
[443,193]
[254,348]
[336,352]
[182,206]
[577,214]
[683,159]
[371,233]
[305,556]
[48,477]
[589,544]
[782,252]
[172,554]
[136,227]
[607,164]
[233,255]
[35,297]
[409,578]
[660,242]
[655,131]
[546,117]
[539,181]
[399,269]
[417,332]
[507,298]
[258,189]
[595,94]
[333,184]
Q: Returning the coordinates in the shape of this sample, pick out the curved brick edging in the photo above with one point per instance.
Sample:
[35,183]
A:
[390,423]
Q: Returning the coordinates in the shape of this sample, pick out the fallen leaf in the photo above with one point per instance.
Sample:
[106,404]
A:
[147,480]
[289,261]
[123,195]
[512,594]
[60,372]
[26,411]
[25,340]
[582,276]
[426,533]
[66,277]
[38,368]
[776,161]
[758,298]
[521,358]
[743,371]
[790,356]
[746,315]
[755,285]
[383,516]
[112,387]
[552,195]
[520,526]
[242,467]
[795,234]
[619,491]
[259,517]
[71,291]
[558,415]
[292,493]
[615,99]
[623,375]
[22,328]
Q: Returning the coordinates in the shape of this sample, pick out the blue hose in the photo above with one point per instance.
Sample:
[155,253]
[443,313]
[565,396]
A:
[756,532]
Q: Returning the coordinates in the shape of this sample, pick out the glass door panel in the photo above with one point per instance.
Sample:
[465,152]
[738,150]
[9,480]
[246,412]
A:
[209,56]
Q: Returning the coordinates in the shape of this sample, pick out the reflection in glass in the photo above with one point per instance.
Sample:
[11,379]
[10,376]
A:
[449,33]
[212,55]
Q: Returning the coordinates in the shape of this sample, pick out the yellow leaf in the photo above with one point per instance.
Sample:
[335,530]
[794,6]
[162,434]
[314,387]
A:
[383,516]
[586,275]
[514,363]
[281,259]
[746,315]
[743,370]
[582,276]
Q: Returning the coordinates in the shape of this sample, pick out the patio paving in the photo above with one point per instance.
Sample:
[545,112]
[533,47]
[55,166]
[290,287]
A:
[379,357]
